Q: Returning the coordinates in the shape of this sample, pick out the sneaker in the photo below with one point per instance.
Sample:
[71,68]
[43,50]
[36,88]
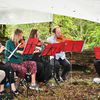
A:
[58,78]
[34,87]
[15,92]
[61,79]
[64,77]
[96,80]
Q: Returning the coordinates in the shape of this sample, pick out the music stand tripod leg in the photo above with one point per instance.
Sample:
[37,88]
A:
[53,76]
[55,73]
[71,68]
[27,77]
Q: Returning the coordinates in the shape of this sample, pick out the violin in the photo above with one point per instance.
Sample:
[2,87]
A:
[61,38]
[42,43]
[23,43]
[39,43]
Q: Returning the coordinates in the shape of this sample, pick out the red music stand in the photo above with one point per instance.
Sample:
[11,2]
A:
[78,46]
[51,50]
[30,46]
[97,52]
[47,50]
[73,46]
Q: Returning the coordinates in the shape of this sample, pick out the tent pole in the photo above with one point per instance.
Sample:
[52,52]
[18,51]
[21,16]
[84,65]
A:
[50,27]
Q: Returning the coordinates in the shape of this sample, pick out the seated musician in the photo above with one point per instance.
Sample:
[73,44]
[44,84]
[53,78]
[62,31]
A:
[97,68]
[6,71]
[43,67]
[60,58]
[97,64]
[18,64]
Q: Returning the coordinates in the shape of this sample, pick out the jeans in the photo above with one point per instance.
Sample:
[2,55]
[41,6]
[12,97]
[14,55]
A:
[64,64]
[97,66]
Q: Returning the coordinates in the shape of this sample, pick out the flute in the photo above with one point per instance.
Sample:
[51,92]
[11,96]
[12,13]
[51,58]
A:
[14,51]
[10,52]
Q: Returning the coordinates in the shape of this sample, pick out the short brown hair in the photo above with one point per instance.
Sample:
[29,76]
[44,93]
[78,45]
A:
[18,31]
[54,30]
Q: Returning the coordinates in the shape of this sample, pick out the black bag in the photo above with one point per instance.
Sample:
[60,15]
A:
[44,71]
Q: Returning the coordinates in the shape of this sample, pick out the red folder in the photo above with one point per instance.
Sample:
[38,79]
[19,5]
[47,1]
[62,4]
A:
[73,46]
[30,46]
[67,46]
[47,50]
[78,46]
[57,47]
[52,49]
[97,52]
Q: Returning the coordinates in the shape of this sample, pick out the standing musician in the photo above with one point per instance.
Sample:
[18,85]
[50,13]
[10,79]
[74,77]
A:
[18,64]
[60,58]
[6,71]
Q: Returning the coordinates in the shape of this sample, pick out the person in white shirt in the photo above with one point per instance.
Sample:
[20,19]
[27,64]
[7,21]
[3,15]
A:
[60,58]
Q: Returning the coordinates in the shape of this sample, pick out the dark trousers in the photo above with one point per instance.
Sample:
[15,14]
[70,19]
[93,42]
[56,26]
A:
[64,64]
[97,66]
[9,73]
[44,69]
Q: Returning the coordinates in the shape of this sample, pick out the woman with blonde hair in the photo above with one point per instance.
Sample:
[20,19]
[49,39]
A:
[18,64]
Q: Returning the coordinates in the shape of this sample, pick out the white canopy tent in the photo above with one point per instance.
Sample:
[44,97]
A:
[16,15]
[84,9]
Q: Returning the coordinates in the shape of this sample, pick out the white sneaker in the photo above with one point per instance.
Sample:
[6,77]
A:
[96,80]
[34,87]
[61,79]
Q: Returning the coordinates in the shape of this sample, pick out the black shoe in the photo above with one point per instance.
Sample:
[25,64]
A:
[64,77]
[2,92]
[60,79]
[34,87]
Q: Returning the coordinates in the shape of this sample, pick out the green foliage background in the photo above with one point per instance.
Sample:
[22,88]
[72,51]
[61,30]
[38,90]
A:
[77,29]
